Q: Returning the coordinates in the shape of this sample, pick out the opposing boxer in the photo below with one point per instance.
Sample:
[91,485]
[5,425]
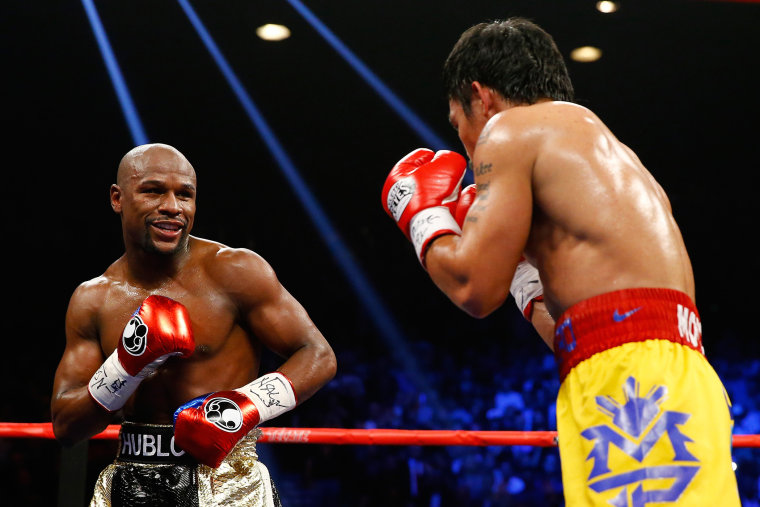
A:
[642,417]
[169,339]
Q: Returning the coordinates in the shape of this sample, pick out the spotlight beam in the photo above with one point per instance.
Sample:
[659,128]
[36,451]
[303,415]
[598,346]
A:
[364,290]
[417,124]
[428,136]
[117,79]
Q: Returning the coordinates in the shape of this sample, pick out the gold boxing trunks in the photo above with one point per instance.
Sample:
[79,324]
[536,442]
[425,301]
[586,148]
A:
[150,470]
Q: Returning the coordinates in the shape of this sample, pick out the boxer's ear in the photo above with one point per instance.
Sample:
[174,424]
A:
[484,100]
[116,198]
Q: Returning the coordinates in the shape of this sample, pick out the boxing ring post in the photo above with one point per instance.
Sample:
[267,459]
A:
[74,459]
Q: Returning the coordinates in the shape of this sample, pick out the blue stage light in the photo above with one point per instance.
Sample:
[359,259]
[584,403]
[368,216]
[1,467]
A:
[417,124]
[361,286]
[119,84]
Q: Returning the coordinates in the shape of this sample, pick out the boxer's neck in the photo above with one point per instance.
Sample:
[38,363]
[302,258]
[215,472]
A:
[151,268]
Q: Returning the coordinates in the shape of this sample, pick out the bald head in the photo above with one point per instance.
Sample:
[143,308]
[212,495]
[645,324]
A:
[155,196]
[146,157]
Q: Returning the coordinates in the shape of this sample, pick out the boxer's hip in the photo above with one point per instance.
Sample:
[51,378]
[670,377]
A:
[631,315]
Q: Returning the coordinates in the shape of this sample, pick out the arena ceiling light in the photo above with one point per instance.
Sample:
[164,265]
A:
[586,54]
[607,7]
[273,32]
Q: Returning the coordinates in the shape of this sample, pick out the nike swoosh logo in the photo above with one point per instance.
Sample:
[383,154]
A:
[617,317]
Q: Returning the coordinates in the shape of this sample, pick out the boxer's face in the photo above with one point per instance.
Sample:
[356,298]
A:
[468,127]
[157,202]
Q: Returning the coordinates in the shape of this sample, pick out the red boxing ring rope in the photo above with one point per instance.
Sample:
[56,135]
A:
[342,436]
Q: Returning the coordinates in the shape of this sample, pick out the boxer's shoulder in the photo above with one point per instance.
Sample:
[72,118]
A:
[82,315]
[540,119]
[234,269]
[93,290]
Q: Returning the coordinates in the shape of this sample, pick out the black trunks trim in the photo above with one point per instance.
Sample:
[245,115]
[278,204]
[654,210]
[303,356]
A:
[150,443]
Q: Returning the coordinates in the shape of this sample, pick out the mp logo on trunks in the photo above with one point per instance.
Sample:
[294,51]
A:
[638,425]
[224,414]
[134,337]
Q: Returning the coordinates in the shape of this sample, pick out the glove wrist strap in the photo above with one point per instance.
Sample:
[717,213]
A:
[111,385]
[427,225]
[272,394]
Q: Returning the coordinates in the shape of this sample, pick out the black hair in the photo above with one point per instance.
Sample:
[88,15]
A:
[514,57]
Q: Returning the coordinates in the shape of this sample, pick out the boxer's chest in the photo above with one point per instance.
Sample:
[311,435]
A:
[213,315]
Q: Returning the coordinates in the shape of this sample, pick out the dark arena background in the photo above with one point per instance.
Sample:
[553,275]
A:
[292,141]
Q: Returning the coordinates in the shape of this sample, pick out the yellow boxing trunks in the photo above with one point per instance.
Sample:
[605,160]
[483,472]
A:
[642,417]
[150,470]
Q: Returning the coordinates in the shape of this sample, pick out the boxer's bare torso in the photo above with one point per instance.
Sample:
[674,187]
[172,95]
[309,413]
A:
[234,300]
[555,184]
[600,220]
[226,356]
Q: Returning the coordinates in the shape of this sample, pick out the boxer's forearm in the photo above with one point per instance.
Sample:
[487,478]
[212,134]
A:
[543,323]
[76,416]
[464,280]
[309,368]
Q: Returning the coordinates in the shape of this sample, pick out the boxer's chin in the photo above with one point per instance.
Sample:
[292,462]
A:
[164,246]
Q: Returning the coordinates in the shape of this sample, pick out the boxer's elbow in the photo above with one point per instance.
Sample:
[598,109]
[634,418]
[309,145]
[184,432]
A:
[478,308]
[63,433]
[479,301]
[466,284]
[309,373]
[74,421]
[328,362]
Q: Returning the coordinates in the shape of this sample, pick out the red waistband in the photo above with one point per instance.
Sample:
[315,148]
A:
[630,315]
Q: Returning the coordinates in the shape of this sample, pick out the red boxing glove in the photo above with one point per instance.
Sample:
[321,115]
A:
[158,329]
[466,198]
[421,194]
[209,426]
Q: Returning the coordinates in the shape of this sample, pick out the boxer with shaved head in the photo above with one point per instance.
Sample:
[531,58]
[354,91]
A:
[168,341]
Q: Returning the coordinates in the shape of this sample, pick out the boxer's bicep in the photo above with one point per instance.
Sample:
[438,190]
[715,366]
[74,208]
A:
[281,324]
[498,223]
[272,314]
[82,354]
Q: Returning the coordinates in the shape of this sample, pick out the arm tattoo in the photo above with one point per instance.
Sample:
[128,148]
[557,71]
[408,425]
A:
[479,204]
[483,189]
[482,169]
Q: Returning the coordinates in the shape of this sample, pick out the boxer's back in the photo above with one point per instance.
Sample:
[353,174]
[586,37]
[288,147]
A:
[225,356]
[600,222]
